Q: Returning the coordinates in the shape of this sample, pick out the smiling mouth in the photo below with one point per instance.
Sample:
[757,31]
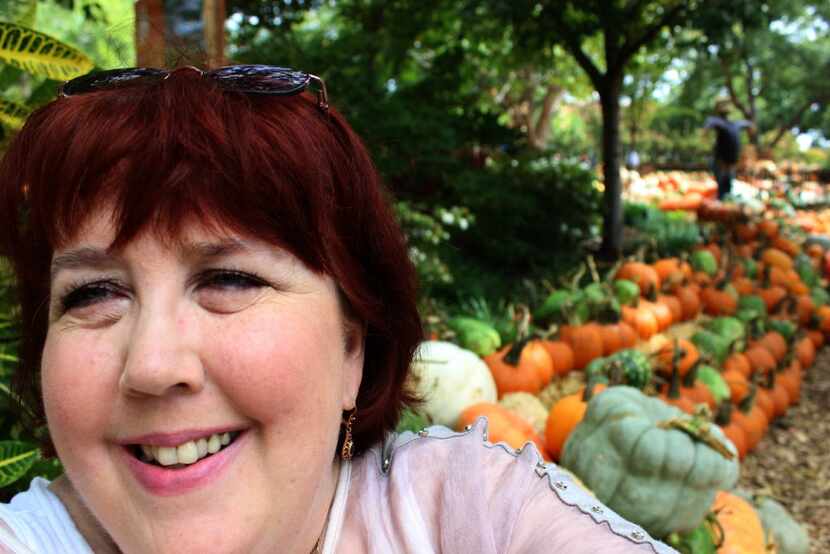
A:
[185,454]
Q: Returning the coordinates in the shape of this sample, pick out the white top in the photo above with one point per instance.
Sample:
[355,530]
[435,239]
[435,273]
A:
[432,492]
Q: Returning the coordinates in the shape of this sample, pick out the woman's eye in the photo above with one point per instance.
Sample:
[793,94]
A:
[89,294]
[233,280]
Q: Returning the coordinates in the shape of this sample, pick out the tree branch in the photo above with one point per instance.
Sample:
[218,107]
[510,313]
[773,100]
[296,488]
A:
[542,129]
[669,17]
[574,46]
[730,86]
[792,122]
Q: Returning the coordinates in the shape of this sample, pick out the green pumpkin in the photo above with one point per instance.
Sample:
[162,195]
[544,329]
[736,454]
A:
[627,292]
[703,260]
[750,267]
[786,328]
[820,296]
[754,303]
[697,541]
[730,328]
[714,381]
[629,366]
[475,335]
[555,306]
[804,268]
[790,537]
[631,452]
[714,347]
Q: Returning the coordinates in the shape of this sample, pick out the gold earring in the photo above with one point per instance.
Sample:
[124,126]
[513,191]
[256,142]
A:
[348,444]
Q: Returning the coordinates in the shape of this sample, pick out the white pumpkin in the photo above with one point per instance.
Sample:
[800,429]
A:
[448,379]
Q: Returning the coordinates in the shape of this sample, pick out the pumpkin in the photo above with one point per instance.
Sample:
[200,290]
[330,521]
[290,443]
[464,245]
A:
[790,379]
[648,461]
[704,261]
[611,338]
[751,418]
[449,379]
[760,359]
[731,429]
[713,379]
[768,228]
[642,320]
[679,353]
[690,301]
[776,258]
[561,387]
[642,274]
[528,407]
[628,335]
[584,340]
[742,529]
[565,415]
[789,536]
[816,337]
[475,335]
[561,354]
[521,367]
[717,301]
[502,425]
[805,351]
[738,362]
[775,343]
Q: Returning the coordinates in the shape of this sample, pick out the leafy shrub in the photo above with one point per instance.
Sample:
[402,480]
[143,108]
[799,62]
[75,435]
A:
[531,216]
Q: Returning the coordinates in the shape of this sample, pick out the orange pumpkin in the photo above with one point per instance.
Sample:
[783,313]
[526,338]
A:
[743,532]
[768,228]
[661,312]
[751,419]
[816,337]
[776,258]
[674,305]
[718,302]
[775,343]
[584,340]
[628,335]
[760,359]
[786,246]
[686,353]
[502,426]
[668,267]
[731,429]
[805,352]
[790,380]
[611,338]
[642,320]
[738,385]
[689,301]
[562,356]
[737,361]
[528,370]
[764,400]
[805,308]
[772,296]
[643,274]
[564,416]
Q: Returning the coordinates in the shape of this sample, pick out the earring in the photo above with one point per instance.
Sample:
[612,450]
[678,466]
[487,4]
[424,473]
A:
[348,444]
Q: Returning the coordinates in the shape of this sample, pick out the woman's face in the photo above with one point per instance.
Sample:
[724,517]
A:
[161,348]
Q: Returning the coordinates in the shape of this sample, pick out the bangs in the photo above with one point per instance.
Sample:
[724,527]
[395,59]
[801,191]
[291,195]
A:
[162,158]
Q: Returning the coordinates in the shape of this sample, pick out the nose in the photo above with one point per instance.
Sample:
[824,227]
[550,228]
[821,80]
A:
[161,358]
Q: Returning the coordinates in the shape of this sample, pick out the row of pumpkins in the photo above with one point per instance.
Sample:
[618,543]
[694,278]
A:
[650,386]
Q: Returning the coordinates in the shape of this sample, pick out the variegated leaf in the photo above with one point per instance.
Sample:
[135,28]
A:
[16,457]
[12,114]
[40,54]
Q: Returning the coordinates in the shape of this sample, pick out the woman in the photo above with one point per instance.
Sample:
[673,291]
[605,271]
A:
[219,315]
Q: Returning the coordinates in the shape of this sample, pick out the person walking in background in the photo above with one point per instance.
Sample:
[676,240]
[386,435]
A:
[727,145]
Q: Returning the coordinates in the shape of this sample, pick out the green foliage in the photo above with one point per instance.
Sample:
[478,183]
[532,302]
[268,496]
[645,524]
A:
[532,214]
[666,233]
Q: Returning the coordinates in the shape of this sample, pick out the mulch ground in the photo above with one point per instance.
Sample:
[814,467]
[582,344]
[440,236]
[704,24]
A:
[792,463]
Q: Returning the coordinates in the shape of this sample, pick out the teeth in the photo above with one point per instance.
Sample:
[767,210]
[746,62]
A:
[202,447]
[187,453]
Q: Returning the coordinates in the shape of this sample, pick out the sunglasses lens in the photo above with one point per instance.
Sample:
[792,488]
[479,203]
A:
[114,78]
[260,79]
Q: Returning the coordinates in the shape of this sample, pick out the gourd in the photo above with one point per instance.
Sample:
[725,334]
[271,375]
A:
[475,335]
[704,260]
[449,379]
[742,529]
[502,426]
[790,537]
[648,461]
[712,378]
[527,407]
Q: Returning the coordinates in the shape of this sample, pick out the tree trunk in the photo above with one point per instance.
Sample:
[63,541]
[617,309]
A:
[612,213]
[213,17]
[149,33]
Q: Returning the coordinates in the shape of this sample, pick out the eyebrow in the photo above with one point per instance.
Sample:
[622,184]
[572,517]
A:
[98,258]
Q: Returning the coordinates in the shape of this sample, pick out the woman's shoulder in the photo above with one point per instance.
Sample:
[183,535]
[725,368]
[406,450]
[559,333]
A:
[36,521]
[461,480]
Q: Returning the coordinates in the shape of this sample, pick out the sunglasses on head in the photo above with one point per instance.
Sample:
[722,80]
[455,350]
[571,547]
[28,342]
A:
[252,79]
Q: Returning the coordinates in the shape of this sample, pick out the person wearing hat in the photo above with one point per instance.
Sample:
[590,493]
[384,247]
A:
[727,145]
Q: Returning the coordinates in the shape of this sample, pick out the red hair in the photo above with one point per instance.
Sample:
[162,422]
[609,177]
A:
[278,168]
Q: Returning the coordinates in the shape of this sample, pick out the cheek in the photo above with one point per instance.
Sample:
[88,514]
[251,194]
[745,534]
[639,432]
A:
[79,382]
[290,365]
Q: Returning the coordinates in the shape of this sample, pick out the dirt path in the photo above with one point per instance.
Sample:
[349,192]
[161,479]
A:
[792,463]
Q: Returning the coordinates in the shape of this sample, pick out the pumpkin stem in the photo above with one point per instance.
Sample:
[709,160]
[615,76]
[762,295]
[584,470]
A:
[691,376]
[748,402]
[698,429]
[674,385]
[724,413]
[513,355]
